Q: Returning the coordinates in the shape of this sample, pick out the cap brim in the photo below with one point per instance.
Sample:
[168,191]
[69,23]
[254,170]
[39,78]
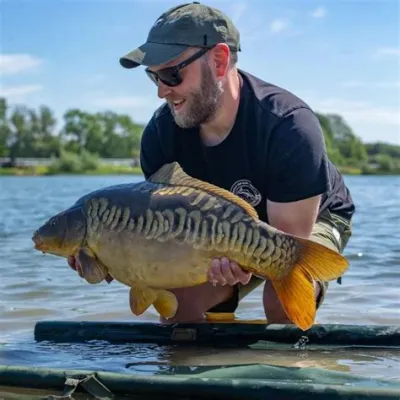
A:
[152,54]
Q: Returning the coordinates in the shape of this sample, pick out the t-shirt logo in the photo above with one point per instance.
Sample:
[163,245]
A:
[247,191]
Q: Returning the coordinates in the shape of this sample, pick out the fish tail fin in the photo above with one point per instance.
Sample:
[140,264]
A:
[321,262]
[296,291]
[297,296]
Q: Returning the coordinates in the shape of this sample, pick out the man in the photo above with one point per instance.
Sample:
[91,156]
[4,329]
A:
[228,127]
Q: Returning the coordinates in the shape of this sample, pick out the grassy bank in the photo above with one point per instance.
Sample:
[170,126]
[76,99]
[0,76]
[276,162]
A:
[107,169]
[41,170]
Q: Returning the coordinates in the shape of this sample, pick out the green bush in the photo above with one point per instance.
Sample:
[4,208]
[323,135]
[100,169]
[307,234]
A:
[72,163]
[89,161]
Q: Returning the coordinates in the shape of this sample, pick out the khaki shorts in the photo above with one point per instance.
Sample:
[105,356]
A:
[331,230]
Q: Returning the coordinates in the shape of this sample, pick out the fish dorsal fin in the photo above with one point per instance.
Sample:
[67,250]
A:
[173,174]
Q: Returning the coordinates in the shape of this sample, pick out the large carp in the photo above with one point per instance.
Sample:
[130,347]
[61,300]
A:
[162,233]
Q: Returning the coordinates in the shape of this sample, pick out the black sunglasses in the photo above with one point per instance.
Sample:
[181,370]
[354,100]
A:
[170,76]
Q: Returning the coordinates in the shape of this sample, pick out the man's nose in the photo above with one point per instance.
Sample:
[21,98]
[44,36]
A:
[163,90]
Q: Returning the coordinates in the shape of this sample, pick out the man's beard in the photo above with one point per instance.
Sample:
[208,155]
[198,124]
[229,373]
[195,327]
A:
[202,103]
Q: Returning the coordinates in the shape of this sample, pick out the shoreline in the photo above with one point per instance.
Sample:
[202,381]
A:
[107,169]
[43,171]
[137,171]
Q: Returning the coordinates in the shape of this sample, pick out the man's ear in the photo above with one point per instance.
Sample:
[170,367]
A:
[221,55]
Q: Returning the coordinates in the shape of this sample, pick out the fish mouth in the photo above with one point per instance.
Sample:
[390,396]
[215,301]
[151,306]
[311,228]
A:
[37,241]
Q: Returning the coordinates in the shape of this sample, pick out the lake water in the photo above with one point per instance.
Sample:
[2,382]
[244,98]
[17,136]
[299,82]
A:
[35,287]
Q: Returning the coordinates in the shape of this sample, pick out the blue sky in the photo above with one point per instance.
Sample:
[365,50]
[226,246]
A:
[340,56]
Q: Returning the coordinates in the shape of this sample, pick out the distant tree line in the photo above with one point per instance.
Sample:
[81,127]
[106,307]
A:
[26,132]
[348,151]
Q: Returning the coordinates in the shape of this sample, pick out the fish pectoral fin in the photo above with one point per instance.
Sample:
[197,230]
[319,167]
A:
[141,298]
[297,296]
[93,270]
[166,303]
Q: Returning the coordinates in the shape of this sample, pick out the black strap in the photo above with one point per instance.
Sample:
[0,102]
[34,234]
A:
[89,382]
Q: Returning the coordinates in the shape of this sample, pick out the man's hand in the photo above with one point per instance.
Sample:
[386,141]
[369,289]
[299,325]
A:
[224,272]
[75,265]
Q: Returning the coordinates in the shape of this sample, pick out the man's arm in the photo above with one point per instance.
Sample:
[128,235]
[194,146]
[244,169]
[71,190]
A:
[298,173]
[296,217]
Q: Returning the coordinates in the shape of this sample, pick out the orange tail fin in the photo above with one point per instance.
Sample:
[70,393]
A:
[296,291]
[321,262]
[297,296]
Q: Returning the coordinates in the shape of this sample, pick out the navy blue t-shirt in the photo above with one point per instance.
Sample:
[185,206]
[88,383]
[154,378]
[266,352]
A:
[275,151]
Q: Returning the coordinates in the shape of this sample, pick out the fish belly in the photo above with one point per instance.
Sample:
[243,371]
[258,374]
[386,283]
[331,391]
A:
[136,260]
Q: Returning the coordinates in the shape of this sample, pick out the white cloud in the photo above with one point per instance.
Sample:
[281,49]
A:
[352,84]
[119,102]
[385,116]
[95,79]
[390,85]
[139,108]
[359,111]
[278,25]
[369,122]
[378,84]
[18,92]
[319,12]
[16,63]
[389,51]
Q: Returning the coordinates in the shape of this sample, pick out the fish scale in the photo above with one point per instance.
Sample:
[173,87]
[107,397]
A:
[238,234]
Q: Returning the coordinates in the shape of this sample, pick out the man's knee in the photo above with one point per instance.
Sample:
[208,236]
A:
[273,308]
[194,302]
[334,232]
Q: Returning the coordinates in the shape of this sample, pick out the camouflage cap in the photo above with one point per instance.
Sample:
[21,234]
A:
[180,27]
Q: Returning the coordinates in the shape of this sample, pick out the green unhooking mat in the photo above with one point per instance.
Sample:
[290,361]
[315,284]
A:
[221,334]
[252,381]
[234,382]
